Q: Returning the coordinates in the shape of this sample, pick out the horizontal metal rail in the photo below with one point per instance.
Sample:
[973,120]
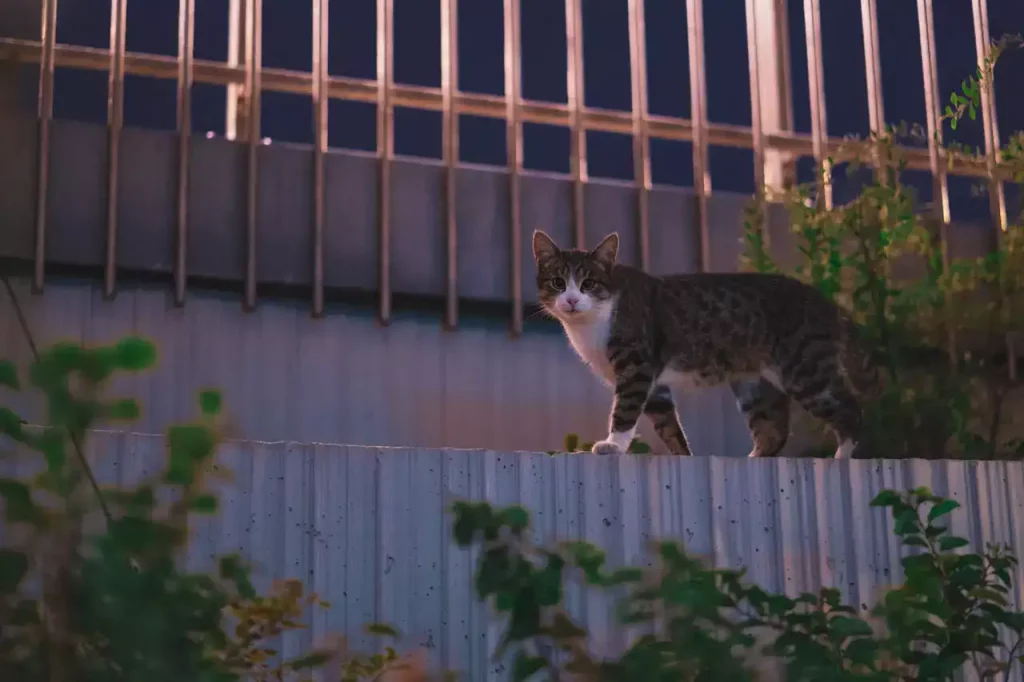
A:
[474,104]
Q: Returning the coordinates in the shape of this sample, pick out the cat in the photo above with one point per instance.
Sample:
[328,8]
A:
[770,337]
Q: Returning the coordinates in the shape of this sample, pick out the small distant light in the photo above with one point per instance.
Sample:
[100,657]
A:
[210,134]
[265,140]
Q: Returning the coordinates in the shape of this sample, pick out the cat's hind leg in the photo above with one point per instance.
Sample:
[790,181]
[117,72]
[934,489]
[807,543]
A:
[660,408]
[766,410]
[827,396]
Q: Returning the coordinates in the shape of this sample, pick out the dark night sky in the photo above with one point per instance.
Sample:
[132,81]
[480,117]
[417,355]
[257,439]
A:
[152,27]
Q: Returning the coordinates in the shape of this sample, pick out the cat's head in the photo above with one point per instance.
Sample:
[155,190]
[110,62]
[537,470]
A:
[574,285]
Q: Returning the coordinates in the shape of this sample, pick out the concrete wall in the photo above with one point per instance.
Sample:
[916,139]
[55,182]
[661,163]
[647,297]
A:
[368,529]
[344,378]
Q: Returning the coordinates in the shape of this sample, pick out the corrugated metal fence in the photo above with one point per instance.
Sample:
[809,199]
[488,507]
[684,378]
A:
[368,529]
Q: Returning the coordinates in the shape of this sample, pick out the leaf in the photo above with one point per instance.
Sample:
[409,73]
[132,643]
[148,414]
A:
[628,574]
[134,354]
[548,582]
[210,402]
[126,409]
[952,542]
[849,627]
[942,508]
[382,630]
[231,567]
[204,504]
[11,425]
[189,444]
[54,448]
[313,659]
[527,666]
[516,517]
[906,522]
[9,375]
[862,651]
[18,504]
[13,566]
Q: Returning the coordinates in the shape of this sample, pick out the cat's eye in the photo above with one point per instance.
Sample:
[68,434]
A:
[587,285]
[558,283]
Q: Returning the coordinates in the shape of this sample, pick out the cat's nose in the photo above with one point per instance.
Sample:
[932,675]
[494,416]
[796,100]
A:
[571,301]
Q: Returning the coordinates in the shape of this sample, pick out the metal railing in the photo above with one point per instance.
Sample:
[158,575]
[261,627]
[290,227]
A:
[768,137]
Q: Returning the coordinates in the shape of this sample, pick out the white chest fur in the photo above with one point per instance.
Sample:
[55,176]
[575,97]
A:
[590,340]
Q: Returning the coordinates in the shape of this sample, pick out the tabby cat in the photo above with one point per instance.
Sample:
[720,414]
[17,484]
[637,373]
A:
[770,337]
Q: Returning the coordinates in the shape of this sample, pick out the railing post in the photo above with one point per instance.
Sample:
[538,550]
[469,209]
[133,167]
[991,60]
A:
[771,50]
[235,111]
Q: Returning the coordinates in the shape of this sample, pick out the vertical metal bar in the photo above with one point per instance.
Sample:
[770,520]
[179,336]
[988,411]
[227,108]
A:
[816,89]
[115,123]
[872,65]
[641,141]
[770,29]
[940,184]
[514,153]
[873,77]
[699,120]
[996,196]
[930,74]
[186,49]
[756,128]
[450,153]
[574,88]
[48,36]
[321,78]
[385,147]
[234,110]
[253,78]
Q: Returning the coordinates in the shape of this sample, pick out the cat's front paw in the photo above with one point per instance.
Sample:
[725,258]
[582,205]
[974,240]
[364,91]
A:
[606,447]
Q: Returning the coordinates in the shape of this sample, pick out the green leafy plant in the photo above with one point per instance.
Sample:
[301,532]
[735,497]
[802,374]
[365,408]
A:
[699,623]
[91,582]
[938,326]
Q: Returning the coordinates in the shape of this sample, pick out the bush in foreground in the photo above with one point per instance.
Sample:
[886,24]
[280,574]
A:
[115,604]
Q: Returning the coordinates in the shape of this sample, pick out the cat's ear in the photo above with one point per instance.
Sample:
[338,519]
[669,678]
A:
[607,250]
[543,246]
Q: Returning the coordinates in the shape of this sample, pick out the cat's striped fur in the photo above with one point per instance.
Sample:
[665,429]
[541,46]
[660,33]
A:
[772,338]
